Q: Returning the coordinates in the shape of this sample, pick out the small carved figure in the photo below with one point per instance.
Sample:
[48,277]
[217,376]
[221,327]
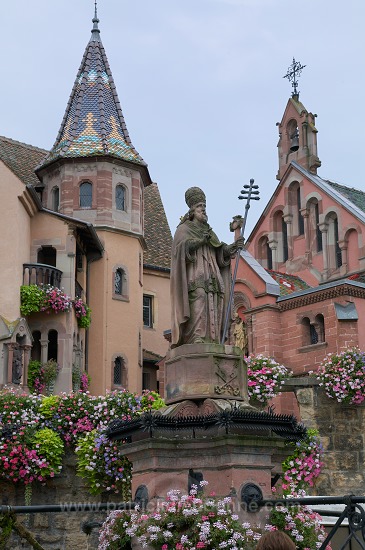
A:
[17,369]
[239,333]
[200,276]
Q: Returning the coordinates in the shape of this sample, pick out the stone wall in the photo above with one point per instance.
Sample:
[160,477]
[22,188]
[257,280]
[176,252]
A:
[62,530]
[341,429]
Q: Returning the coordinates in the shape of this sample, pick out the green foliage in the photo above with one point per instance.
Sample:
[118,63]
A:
[101,464]
[31,299]
[34,369]
[152,400]
[85,321]
[49,445]
[50,371]
[7,522]
[48,406]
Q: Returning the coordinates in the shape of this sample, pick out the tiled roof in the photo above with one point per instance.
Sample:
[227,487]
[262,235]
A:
[354,195]
[288,283]
[358,277]
[157,231]
[21,159]
[93,123]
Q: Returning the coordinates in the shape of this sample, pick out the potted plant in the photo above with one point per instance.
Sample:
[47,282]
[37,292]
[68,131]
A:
[265,378]
[342,376]
[49,373]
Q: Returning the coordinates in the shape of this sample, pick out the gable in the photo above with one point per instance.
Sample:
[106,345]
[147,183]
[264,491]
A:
[21,159]
[352,200]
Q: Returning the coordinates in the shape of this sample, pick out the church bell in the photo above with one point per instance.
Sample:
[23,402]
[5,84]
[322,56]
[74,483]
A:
[294,141]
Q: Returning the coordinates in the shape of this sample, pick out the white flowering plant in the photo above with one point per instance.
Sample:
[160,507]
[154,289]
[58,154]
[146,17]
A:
[301,524]
[342,376]
[265,377]
[180,522]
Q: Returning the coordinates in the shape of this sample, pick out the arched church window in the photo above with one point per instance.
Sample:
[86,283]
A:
[334,250]
[265,252]
[319,324]
[318,231]
[120,197]
[300,217]
[285,239]
[86,194]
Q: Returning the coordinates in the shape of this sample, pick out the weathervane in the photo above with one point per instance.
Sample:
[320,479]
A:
[96,9]
[292,75]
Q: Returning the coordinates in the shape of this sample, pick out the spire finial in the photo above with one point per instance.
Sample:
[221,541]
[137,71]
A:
[292,75]
[95,32]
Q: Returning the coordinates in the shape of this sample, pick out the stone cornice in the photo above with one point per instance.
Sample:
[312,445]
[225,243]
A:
[319,294]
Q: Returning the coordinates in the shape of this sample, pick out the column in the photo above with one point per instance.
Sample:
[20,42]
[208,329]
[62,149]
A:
[273,244]
[305,215]
[44,350]
[26,359]
[323,227]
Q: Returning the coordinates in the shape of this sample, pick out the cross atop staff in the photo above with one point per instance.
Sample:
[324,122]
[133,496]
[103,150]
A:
[294,71]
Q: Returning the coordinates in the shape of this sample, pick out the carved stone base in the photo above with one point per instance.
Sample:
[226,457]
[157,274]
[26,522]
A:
[202,408]
[202,371]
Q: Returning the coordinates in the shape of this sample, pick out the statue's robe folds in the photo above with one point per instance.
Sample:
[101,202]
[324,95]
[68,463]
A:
[200,285]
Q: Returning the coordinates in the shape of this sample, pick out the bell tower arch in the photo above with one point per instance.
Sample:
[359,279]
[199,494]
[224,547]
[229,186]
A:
[297,131]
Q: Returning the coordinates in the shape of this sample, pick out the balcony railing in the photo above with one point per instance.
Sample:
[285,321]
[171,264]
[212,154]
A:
[41,274]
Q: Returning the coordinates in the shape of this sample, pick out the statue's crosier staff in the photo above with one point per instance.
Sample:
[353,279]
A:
[249,192]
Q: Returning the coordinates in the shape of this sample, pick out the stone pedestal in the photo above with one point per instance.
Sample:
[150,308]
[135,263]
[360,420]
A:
[202,371]
[227,462]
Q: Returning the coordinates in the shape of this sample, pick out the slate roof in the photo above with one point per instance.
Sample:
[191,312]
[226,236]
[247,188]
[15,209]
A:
[354,195]
[156,230]
[288,283]
[21,159]
[93,123]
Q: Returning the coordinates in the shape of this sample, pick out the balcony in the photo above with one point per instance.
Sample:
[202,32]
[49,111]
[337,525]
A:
[41,274]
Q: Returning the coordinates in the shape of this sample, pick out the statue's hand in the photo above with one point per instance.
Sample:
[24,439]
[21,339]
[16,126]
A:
[237,245]
[206,237]
[240,243]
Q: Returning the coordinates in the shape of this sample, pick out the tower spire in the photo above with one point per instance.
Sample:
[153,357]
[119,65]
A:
[95,32]
[93,123]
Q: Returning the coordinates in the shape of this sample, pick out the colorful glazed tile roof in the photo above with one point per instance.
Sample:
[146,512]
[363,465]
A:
[288,283]
[354,195]
[93,123]
[21,159]
[358,277]
[157,231]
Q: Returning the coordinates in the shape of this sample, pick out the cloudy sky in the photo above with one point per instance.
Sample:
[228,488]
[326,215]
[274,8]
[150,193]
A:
[201,86]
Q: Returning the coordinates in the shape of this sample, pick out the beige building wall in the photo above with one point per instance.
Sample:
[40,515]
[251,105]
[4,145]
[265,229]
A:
[14,242]
[116,328]
[157,285]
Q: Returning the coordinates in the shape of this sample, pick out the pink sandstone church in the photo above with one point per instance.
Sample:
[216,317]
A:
[87,217]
